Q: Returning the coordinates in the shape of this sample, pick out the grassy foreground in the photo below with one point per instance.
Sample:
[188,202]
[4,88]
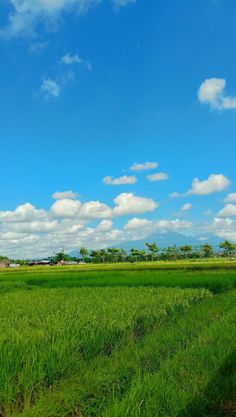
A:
[130,342]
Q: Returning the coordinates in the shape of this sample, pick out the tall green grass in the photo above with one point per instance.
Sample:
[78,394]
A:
[103,381]
[44,333]
[215,281]
[179,387]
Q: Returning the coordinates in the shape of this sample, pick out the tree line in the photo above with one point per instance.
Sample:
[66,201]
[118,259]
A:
[151,253]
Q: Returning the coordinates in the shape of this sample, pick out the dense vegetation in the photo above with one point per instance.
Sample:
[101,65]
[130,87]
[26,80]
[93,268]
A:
[152,253]
[91,341]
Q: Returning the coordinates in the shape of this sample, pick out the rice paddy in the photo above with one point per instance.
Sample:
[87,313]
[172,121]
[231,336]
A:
[119,342]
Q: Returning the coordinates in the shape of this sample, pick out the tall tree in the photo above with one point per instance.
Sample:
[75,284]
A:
[228,248]
[170,253]
[60,257]
[84,253]
[153,250]
[207,250]
[186,250]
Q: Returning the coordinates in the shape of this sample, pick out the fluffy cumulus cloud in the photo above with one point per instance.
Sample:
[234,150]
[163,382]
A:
[126,179]
[61,195]
[224,228]
[230,198]
[31,232]
[159,176]
[26,15]
[24,212]
[137,228]
[228,211]
[146,166]
[128,203]
[66,208]
[136,223]
[212,92]
[214,183]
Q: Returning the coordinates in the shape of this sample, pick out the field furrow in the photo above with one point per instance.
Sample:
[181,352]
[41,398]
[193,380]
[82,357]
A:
[107,378]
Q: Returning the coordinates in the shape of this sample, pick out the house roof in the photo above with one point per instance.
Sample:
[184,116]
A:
[4,262]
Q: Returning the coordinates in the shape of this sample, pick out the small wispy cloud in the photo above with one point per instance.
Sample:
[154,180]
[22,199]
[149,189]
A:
[146,166]
[159,176]
[207,213]
[122,3]
[186,207]
[212,92]
[175,194]
[26,16]
[50,88]
[120,181]
[69,59]
[61,195]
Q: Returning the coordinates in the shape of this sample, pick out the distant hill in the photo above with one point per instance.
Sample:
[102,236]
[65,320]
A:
[164,240]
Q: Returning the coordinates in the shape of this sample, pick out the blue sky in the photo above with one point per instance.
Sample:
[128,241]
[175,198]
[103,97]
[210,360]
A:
[87,89]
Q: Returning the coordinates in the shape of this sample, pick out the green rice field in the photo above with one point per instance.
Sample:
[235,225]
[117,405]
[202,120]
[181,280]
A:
[150,340]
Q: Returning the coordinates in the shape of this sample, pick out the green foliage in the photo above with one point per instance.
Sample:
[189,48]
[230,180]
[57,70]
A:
[228,247]
[207,250]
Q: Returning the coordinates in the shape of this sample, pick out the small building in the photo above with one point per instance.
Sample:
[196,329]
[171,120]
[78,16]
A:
[39,263]
[4,263]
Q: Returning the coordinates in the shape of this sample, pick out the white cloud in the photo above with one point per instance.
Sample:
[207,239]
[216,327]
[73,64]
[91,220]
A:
[61,195]
[35,226]
[50,88]
[24,212]
[95,210]
[186,207]
[120,181]
[228,211]
[144,167]
[212,92]
[230,198]
[159,176]
[214,183]
[174,195]
[69,59]
[27,15]
[66,208]
[31,232]
[105,226]
[146,227]
[136,223]
[224,228]
[128,203]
